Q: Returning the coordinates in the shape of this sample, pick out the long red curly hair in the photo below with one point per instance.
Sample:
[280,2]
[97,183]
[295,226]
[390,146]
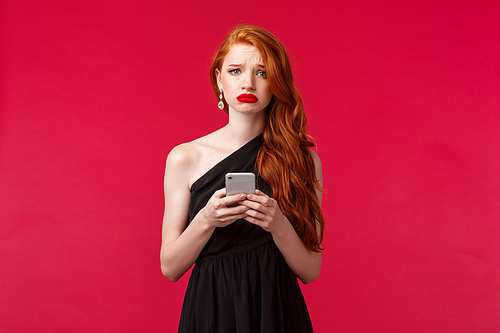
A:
[284,161]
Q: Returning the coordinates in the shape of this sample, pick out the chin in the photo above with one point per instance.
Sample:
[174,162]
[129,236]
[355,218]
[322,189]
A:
[249,109]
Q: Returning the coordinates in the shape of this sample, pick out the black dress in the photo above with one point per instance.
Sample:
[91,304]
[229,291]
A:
[240,283]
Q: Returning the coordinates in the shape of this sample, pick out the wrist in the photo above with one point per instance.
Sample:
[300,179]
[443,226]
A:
[203,220]
[283,228]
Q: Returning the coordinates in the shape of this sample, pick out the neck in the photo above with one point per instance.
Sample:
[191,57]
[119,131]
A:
[242,128]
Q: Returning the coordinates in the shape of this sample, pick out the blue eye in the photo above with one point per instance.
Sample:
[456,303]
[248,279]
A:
[262,73]
[234,71]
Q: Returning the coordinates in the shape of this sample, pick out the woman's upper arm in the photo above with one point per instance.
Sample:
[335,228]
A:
[177,193]
[319,175]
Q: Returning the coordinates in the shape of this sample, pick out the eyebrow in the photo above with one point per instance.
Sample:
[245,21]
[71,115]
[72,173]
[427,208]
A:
[239,65]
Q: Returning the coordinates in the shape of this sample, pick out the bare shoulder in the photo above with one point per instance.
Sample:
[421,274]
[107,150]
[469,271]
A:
[185,154]
[177,167]
[182,156]
[182,161]
[188,160]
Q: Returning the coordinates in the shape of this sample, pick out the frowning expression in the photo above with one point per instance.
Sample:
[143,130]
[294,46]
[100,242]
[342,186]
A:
[243,80]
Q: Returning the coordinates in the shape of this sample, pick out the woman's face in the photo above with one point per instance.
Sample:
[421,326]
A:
[243,80]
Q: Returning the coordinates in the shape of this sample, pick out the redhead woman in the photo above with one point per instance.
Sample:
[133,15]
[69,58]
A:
[247,257]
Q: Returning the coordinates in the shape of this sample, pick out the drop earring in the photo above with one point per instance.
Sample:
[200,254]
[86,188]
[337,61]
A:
[221,103]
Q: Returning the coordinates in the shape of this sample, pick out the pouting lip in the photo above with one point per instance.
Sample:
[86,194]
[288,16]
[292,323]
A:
[247,98]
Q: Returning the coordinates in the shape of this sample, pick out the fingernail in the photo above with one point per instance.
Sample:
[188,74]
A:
[249,196]
[242,196]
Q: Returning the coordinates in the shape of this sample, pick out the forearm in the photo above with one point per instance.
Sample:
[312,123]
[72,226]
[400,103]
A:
[265,212]
[305,263]
[179,254]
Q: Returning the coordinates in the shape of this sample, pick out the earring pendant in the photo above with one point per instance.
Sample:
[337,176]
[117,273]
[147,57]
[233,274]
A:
[221,103]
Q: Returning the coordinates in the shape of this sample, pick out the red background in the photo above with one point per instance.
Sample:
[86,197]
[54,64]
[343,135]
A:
[402,99]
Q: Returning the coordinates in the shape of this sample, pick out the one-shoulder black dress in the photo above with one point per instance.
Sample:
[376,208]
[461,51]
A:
[240,283]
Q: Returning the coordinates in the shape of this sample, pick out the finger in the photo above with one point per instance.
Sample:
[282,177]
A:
[240,216]
[234,198]
[260,197]
[237,210]
[220,193]
[229,212]
[259,192]
[257,206]
[231,218]
[256,214]
[252,220]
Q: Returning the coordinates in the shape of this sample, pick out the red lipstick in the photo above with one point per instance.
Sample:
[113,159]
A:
[247,98]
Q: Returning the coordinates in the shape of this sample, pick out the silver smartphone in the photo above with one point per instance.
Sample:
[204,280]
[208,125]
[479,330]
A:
[239,182]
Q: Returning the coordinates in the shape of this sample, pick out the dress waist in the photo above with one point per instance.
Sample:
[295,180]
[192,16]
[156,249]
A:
[237,249]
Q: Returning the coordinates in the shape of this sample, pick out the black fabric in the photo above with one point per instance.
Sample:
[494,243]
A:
[240,282]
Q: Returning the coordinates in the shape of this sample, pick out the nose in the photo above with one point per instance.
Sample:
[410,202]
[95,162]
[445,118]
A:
[248,82]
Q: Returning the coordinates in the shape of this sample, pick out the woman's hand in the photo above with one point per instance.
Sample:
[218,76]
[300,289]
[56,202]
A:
[218,214]
[264,212]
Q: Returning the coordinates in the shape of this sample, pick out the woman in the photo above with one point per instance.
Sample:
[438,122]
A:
[248,257]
